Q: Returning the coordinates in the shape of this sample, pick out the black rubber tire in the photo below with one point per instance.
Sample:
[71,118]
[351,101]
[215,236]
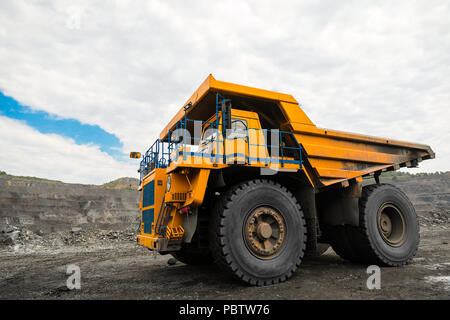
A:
[191,256]
[366,240]
[339,241]
[227,241]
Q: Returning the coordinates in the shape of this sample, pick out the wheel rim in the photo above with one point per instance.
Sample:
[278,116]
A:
[391,224]
[265,232]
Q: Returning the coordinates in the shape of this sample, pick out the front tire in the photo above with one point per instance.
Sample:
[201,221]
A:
[258,232]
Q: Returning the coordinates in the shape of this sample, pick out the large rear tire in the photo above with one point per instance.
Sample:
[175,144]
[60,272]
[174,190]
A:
[339,240]
[258,232]
[388,231]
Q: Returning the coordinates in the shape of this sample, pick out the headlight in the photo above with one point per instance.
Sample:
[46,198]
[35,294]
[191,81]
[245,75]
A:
[169,183]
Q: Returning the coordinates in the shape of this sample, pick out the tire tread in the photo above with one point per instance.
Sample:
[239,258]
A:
[218,241]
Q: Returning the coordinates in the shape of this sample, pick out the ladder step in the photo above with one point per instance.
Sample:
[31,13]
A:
[163,219]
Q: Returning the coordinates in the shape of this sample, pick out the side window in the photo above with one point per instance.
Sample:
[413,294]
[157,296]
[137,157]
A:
[238,129]
[207,132]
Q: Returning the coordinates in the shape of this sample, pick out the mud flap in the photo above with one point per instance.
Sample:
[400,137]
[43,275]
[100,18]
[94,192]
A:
[190,225]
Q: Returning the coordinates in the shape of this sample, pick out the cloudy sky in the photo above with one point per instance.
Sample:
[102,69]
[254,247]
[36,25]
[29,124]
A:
[82,83]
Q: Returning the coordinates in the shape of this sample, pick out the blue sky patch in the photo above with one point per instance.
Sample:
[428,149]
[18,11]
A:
[71,128]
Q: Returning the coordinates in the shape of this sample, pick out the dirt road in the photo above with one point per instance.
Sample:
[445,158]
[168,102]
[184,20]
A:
[125,271]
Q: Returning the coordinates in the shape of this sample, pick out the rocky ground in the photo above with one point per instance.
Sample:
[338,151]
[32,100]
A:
[22,240]
[116,268]
[33,263]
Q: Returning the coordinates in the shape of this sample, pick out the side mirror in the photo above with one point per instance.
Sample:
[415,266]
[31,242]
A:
[226,114]
[135,155]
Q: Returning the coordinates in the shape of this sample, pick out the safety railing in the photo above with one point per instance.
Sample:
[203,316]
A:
[268,153]
[157,156]
[283,147]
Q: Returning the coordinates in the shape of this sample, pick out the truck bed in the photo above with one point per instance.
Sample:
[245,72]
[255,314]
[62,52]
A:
[336,156]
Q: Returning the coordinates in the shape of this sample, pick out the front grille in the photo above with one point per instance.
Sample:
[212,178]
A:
[179,196]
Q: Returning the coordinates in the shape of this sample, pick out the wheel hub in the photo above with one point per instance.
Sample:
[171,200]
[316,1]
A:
[386,224]
[391,224]
[265,232]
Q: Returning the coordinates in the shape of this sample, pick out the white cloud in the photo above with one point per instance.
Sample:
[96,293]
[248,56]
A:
[27,152]
[378,68]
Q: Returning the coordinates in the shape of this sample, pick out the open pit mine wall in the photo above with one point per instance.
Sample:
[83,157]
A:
[45,207]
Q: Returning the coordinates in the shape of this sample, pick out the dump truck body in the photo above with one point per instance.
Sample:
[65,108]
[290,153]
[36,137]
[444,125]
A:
[228,135]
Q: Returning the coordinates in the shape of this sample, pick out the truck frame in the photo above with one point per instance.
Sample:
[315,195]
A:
[243,178]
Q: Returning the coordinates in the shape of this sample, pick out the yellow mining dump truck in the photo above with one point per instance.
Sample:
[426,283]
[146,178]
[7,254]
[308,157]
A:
[242,177]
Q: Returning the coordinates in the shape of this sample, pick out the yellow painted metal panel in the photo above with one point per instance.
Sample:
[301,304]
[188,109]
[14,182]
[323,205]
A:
[295,114]
[251,92]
